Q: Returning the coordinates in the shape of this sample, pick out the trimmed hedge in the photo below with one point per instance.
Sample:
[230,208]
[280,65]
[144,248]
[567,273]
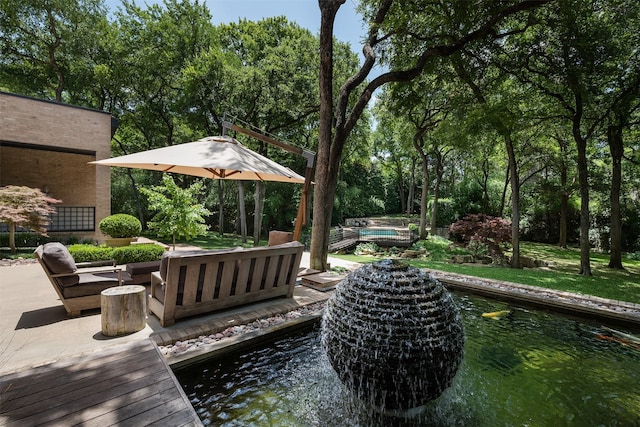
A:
[122,255]
[137,253]
[90,253]
[32,240]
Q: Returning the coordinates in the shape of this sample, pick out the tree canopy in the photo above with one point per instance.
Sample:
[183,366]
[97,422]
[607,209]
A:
[522,109]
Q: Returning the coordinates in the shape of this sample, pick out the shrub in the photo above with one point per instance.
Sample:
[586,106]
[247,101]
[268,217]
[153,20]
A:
[137,253]
[122,255]
[32,240]
[121,225]
[487,230]
[90,253]
[366,249]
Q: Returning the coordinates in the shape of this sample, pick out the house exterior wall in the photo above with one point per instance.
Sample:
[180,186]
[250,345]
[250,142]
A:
[48,145]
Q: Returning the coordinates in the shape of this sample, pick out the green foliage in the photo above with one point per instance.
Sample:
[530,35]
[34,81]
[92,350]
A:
[120,225]
[622,285]
[137,253]
[439,248]
[213,240]
[178,212]
[367,248]
[27,240]
[90,253]
[122,255]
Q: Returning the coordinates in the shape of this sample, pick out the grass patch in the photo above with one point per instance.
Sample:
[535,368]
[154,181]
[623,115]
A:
[213,240]
[562,275]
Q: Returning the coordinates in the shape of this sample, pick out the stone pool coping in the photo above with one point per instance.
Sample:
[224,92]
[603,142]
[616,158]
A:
[620,312]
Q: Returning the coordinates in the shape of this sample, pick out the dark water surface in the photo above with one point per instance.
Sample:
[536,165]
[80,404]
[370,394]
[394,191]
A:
[531,368]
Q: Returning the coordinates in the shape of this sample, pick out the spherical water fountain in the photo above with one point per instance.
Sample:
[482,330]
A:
[393,335]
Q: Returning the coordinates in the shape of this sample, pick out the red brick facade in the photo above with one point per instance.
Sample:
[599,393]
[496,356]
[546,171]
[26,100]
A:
[48,145]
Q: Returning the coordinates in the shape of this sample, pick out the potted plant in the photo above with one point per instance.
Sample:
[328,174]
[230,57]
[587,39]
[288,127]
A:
[122,228]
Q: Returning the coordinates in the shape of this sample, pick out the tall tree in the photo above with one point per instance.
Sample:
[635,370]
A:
[414,34]
[43,46]
[576,61]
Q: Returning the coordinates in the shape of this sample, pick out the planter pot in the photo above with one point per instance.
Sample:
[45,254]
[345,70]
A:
[117,242]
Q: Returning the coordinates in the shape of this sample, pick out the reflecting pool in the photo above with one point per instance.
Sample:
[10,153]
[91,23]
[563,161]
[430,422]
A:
[527,368]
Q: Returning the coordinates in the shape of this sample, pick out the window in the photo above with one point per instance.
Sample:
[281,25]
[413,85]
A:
[73,218]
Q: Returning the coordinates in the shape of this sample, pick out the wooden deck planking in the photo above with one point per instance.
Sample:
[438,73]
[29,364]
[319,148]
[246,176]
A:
[126,384]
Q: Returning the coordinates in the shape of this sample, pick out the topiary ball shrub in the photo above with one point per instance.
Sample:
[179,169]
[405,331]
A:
[121,225]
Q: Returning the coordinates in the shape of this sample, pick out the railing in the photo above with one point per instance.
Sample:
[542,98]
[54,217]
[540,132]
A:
[380,236]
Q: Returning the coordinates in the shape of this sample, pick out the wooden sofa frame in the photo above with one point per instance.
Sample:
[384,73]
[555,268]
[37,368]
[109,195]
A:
[197,283]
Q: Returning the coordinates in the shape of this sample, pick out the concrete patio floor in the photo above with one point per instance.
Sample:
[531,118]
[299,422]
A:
[35,330]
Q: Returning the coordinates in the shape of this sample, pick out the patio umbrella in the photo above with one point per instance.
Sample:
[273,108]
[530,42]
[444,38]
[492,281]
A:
[215,157]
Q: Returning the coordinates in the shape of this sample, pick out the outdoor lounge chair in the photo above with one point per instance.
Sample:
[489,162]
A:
[78,287]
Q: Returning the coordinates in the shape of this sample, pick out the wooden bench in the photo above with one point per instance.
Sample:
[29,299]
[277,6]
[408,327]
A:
[191,283]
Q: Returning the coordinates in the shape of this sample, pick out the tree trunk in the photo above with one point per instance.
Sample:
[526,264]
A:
[485,187]
[564,206]
[515,202]
[259,209]
[242,212]
[503,201]
[12,236]
[136,196]
[436,190]
[614,137]
[424,197]
[327,162]
[585,264]
[412,187]
[221,206]
[400,181]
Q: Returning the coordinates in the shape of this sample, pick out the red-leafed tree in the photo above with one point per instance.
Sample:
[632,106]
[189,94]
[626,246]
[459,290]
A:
[488,230]
[25,207]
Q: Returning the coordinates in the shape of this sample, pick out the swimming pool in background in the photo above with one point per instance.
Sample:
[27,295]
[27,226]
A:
[378,232]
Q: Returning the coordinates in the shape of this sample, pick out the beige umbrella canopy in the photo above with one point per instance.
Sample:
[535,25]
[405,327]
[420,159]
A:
[215,157]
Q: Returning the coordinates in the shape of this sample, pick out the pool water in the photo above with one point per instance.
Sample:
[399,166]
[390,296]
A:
[377,232]
[531,368]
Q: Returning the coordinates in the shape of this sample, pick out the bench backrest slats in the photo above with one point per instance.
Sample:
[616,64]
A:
[197,283]
[209,284]
[258,270]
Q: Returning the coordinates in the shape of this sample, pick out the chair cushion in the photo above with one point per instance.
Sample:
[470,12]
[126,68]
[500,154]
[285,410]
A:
[143,267]
[58,260]
[89,288]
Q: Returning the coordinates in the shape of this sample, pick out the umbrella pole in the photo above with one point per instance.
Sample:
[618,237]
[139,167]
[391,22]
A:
[302,209]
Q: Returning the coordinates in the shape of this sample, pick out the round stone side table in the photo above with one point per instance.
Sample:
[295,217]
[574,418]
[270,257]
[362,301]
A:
[123,310]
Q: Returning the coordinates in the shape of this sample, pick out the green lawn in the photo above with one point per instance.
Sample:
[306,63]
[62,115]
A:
[213,240]
[562,274]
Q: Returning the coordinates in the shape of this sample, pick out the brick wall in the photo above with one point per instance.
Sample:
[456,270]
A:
[48,145]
